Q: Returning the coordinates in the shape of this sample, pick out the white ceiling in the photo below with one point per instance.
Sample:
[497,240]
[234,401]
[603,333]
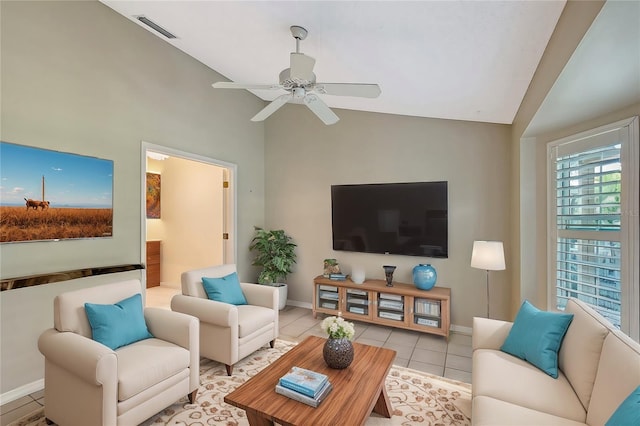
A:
[464,60]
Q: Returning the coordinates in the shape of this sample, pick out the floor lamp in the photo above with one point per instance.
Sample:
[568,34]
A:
[488,255]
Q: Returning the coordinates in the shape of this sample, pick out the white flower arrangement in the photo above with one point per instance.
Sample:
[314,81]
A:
[337,327]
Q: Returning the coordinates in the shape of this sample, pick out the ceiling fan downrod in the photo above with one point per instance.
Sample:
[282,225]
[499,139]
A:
[299,34]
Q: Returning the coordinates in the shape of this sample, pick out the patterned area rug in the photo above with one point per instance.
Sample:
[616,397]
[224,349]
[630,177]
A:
[416,397]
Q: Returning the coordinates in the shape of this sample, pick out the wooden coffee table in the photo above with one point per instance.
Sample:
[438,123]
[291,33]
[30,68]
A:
[357,390]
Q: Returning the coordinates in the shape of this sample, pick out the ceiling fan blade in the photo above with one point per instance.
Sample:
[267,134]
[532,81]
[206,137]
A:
[272,107]
[349,89]
[320,109]
[301,66]
[232,85]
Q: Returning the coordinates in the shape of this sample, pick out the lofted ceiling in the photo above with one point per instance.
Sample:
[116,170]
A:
[602,75]
[463,60]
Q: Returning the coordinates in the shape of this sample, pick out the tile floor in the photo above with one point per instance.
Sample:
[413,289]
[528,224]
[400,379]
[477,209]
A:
[420,351]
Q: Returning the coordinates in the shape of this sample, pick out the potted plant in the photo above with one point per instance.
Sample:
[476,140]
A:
[275,252]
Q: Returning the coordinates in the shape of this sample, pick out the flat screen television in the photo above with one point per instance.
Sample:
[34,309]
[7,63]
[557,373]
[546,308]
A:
[391,218]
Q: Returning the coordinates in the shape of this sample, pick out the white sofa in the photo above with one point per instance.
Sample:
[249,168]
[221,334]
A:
[598,368]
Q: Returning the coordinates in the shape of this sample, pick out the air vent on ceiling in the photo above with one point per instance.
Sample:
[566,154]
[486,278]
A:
[148,22]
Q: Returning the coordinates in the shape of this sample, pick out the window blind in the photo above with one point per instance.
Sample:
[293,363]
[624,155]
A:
[588,219]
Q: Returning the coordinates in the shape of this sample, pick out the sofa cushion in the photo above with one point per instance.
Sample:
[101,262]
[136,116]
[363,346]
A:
[146,363]
[224,289]
[536,337]
[501,376]
[119,324]
[68,308]
[618,374]
[580,351]
[491,411]
[627,413]
[192,280]
[251,318]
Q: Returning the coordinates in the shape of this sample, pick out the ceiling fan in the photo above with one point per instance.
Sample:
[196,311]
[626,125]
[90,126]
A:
[300,83]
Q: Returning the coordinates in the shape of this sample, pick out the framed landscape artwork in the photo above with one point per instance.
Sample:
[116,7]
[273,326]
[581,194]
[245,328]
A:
[52,195]
[153,196]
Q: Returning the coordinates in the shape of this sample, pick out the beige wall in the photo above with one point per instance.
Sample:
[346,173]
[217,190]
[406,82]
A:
[78,77]
[304,158]
[192,217]
[577,17]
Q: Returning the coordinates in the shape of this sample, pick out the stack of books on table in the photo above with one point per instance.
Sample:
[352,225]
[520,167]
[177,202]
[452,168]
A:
[338,277]
[304,385]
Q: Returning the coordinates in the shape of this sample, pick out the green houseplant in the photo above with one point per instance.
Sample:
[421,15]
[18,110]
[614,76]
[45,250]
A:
[275,253]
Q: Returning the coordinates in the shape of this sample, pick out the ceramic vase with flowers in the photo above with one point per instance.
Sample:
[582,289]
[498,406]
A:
[338,350]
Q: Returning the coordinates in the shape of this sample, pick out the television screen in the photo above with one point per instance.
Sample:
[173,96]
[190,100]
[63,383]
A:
[394,218]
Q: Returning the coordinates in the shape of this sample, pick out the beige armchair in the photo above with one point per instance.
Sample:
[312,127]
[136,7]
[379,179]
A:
[87,383]
[228,332]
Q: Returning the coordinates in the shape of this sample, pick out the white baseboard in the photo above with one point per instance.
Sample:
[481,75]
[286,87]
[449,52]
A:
[460,329]
[21,391]
[299,304]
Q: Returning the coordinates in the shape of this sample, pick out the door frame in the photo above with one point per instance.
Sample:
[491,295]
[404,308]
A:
[230,216]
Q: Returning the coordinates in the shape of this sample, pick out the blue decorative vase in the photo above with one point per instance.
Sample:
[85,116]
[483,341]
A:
[424,276]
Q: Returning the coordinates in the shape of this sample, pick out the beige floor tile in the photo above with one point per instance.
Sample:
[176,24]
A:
[16,403]
[461,376]
[459,349]
[23,410]
[401,350]
[376,332]
[160,296]
[370,342]
[294,329]
[37,395]
[432,343]
[462,339]
[312,332]
[459,362]
[438,370]
[429,357]
[403,337]
[401,362]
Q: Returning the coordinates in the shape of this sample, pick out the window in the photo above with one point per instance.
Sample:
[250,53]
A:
[593,222]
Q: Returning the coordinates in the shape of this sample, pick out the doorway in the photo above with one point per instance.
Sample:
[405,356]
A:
[192,225]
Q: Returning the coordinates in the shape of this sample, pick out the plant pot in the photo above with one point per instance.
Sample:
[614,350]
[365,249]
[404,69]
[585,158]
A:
[282,295]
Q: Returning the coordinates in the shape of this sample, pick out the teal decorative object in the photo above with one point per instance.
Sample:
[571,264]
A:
[424,276]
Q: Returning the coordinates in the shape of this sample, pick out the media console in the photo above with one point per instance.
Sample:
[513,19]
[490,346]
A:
[402,306]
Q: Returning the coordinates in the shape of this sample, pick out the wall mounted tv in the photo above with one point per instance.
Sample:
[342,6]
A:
[391,218]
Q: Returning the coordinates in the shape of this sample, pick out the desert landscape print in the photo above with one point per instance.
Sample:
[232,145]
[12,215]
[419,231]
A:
[51,195]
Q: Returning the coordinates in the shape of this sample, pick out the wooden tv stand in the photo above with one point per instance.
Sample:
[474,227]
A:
[402,306]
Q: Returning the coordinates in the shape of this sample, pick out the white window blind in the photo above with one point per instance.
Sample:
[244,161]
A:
[592,227]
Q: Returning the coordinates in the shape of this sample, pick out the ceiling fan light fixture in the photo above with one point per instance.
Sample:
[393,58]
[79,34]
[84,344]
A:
[300,83]
[298,92]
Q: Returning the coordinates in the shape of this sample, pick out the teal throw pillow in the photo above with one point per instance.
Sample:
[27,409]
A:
[536,337]
[628,413]
[118,325]
[225,289]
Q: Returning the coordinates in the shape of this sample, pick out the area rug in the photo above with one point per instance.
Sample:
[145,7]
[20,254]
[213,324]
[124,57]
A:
[416,397]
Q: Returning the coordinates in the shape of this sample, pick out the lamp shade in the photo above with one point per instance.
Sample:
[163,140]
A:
[488,255]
